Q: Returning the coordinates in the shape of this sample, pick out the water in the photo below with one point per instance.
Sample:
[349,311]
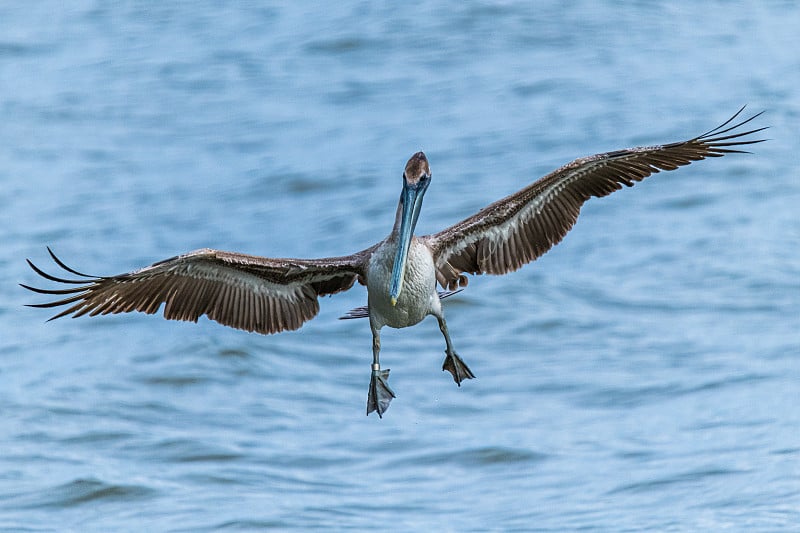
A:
[643,375]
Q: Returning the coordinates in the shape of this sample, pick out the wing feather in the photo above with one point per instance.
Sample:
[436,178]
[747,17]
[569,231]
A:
[241,291]
[525,225]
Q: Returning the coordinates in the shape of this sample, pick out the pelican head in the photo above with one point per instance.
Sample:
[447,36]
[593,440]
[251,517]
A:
[416,178]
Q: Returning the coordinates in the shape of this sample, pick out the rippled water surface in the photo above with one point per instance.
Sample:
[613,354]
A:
[643,375]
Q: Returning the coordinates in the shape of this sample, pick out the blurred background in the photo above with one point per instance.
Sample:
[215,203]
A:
[643,375]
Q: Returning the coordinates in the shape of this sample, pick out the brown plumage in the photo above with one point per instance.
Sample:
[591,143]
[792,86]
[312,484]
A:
[523,226]
[241,291]
[416,167]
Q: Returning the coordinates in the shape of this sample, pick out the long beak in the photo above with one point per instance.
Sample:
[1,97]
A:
[412,203]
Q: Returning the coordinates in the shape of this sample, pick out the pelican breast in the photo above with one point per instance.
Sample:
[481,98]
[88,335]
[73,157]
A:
[419,295]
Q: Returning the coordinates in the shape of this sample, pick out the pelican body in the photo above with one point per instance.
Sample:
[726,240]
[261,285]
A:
[401,272]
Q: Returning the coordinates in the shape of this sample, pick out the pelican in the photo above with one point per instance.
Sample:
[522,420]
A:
[401,272]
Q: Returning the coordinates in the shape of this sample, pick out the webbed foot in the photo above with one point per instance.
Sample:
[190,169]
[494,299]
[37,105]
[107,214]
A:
[456,366]
[380,394]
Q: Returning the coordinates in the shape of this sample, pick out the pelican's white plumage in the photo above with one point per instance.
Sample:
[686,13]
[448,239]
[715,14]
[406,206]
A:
[418,298]
[401,272]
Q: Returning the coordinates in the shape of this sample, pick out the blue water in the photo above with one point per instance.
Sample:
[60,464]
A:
[643,375]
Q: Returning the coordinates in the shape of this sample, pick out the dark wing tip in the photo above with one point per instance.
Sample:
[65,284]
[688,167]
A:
[51,291]
[724,138]
[717,134]
[68,269]
[50,277]
[71,294]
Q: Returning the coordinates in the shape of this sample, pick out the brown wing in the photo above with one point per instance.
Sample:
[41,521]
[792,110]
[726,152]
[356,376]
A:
[519,228]
[242,291]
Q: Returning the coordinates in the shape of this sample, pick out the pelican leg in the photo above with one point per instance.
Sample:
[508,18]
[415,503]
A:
[380,394]
[452,362]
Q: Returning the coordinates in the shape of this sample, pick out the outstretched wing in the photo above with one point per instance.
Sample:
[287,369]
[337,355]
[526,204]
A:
[241,291]
[519,228]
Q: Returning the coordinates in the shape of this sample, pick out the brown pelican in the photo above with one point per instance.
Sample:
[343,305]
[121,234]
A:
[401,272]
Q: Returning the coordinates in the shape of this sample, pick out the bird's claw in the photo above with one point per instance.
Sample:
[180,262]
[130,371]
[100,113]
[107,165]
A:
[380,394]
[457,367]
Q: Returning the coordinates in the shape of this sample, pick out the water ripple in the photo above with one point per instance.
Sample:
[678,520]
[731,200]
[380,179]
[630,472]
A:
[634,396]
[84,491]
[663,483]
[486,456]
